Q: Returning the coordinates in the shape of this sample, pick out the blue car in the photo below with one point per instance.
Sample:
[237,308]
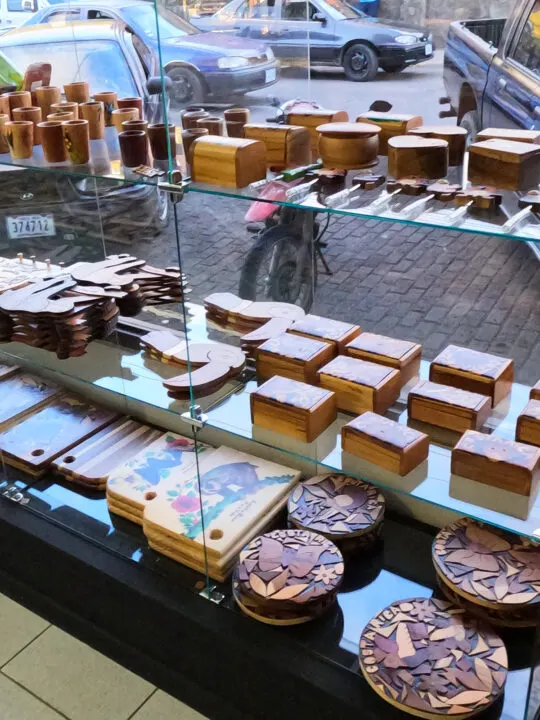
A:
[199,64]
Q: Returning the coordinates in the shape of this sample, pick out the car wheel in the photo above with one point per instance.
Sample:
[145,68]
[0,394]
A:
[360,63]
[471,122]
[187,88]
[394,68]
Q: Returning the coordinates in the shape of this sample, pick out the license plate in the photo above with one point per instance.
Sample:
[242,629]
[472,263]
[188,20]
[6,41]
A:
[22,226]
[270,75]
[429,49]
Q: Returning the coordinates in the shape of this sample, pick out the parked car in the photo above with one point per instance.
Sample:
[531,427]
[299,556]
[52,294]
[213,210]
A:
[335,33]
[199,64]
[104,53]
[492,70]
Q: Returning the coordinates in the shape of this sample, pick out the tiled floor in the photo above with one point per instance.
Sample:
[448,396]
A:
[46,674]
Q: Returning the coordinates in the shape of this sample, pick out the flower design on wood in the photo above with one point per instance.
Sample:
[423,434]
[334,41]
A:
[472,361]
[382,345]
[497,448]
[292,392]
[430,659]
[293,346]
[487,565]
[322,327]
[362,372]
[336,505]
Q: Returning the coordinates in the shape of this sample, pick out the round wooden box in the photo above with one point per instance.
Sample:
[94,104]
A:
[455,136]
[348,146]
[287,577]
[414,155]
[491,572]
[430,659]
[343,509]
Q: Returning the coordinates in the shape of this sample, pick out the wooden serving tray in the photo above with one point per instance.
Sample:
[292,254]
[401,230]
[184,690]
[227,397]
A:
[294,357]
[386,443]
[474,371]
[293,408]
[234,162]
[391,124]
[360,385]
[287,146]
[447,406]
[506,164]
[334,332]
[21,395]
[402,355]
[528,424]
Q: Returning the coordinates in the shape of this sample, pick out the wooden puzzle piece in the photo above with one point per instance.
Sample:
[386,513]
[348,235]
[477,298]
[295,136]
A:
[107,272]
[39,297]
[408,185]
[444,191]
[483,197]
[369,181]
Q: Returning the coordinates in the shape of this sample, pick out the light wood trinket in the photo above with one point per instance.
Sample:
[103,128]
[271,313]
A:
[528,424]
[403,355]
[287,146]
[233,162]
[335,332]
[447,406]
[292,356]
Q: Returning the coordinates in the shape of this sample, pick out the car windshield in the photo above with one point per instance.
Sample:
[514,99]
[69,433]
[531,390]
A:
[100,62]
[143,20]
[341,10]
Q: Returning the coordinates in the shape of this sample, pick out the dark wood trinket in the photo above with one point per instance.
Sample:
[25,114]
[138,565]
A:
[369,181]
[483,197]
[292,356]
[528,424]
[408,185]
[507,164]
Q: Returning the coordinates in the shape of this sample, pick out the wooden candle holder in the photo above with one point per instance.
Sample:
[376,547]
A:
[110,102]
[294,357]
[287,146]
[77,141]
[33,114]
[401,355]
[52,141]
[336,333]
[448,407]
[506,164]
[455,136]
[46,96]
[347,146]
[233,162]
[528,424]
[391,124]
[412,155]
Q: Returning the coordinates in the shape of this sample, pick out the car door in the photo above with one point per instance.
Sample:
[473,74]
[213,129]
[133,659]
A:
[512,97]
[305,27]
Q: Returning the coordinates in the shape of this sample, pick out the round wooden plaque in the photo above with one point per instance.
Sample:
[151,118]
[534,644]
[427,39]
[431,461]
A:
[287,577]
[337,506]
[488,566]
[347,146]
[430,659]
[415,155]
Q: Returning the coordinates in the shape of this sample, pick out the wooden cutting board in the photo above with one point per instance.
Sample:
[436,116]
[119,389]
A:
[35,441]
[21,395]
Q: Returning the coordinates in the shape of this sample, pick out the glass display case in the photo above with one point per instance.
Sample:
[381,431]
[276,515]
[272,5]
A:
[222,277]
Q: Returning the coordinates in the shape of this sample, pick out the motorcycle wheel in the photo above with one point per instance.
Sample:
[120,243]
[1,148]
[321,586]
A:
[269,272]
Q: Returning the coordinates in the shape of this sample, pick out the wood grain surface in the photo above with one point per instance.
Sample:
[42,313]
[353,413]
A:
[402,355]
[528,424]
[233,162]
[287,146]
[391,124]
[292,356]
[22,394]
[507,164]
[415,155]
[447,406]
[334,332]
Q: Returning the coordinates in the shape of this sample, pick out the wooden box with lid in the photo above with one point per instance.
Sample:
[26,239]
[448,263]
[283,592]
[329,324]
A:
[287,146]
[347,146]
[507,164]
[474,371]
[386,443]
[334,332]
[311,118]
[535,392]
[455,136]
[292,356]
[234,162]
[360,385]
[516,134]
[447,406]
[293,408]
[401,355]
[418,156]
[391,124]
[498,463]
[528,424]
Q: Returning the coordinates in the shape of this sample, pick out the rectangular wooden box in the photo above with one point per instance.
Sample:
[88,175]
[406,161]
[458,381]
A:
[311,119]
[517,134]
[491,460]
[391,124]
[334,332]
[386,443]
[234,162]
[474,371]
[293,408]
[528,424]
[447,406]
[506,164]
[293,357]
[287,146]
[402,355]
[360,385]
[535,392]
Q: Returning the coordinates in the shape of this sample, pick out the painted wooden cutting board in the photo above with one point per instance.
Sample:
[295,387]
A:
[22,394]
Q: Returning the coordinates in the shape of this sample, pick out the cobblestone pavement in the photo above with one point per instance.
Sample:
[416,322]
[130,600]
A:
[429,285]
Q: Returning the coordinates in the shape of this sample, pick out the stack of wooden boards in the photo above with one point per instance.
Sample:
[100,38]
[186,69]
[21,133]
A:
[62,310]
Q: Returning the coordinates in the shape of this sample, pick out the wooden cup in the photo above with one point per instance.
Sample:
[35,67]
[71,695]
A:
[122,114]
[61,116]
[52,141]
[189,136]
[235,128]
[77,141]
[94,112]
[47,95]
[4,145]
[78,92]
[133,147]
[30,113]
[157,134]
[237,115]
[4,105]
[214,125]
[20,136]
[110,103]
[135,125]
[71,107]
[132,102]
[190,118]
[19,98]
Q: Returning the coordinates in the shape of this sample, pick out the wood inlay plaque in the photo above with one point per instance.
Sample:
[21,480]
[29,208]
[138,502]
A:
[337,506]
[528,424]
[287,576]
[429,658]
[447,406]
[489,566]
[334,332]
